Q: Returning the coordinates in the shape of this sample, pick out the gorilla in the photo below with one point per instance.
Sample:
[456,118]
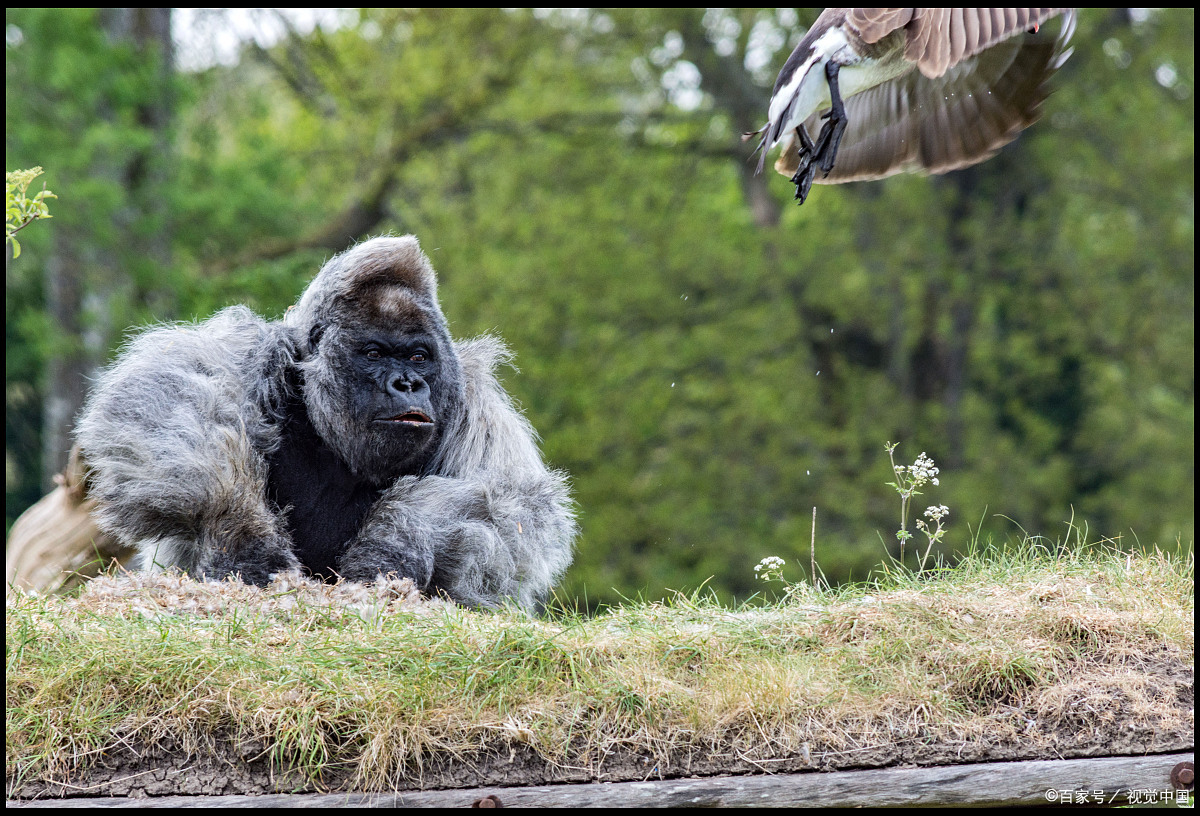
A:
[352,439]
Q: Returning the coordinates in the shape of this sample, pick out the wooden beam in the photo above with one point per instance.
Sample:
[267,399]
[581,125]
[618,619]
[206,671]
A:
[1107,780]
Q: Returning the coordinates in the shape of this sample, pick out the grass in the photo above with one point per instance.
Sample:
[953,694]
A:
[1024,648]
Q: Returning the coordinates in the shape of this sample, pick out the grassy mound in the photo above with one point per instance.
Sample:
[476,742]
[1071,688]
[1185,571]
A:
[155,685]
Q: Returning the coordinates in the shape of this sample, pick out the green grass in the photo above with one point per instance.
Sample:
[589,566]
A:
[976,652]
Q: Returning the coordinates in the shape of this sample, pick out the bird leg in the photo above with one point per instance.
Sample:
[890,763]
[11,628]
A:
[822,153]
[835,122]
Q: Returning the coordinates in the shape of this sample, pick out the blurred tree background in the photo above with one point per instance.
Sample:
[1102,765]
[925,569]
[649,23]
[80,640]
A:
[707,360]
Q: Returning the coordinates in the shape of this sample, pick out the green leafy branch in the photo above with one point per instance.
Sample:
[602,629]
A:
[20,210]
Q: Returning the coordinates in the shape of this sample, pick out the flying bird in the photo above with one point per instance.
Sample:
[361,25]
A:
[908,89]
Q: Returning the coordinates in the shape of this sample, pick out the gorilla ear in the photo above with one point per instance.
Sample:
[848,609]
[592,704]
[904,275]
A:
[314,336]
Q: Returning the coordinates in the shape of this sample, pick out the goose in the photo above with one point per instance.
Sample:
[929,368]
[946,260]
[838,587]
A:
[908,89]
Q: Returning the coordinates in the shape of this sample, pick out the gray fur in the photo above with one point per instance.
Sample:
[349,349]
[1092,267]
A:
[178,433]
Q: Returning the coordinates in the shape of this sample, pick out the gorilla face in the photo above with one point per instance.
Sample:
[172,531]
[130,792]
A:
[382,394]
[392,380]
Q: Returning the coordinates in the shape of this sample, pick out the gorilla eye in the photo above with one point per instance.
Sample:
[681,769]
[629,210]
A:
[373,354]
[418,357]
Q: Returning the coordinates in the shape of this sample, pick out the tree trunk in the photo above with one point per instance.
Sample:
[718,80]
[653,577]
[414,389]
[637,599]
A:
[68,363]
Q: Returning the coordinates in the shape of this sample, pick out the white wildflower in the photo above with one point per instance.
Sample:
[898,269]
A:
[772,563]
[923,470]
[937,513]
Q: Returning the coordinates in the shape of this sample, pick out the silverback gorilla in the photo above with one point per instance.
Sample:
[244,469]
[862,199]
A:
[353,439]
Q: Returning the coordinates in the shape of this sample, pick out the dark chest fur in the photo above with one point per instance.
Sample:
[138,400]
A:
[323,503]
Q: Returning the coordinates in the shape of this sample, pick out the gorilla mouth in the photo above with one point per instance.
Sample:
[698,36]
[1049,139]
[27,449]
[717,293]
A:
[411,417]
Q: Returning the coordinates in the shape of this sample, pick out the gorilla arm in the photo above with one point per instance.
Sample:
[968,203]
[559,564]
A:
[491,521]
[173,433]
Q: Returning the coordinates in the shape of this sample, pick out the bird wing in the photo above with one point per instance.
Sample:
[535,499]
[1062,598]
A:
[938,38]
[873,24]
[915,123]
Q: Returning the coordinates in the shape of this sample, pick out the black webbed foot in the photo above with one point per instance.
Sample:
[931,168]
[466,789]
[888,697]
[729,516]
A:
[807,169]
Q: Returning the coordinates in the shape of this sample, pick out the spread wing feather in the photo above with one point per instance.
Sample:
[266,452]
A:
[935,125]
[937,39]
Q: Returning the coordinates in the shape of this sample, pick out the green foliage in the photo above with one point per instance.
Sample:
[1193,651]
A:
[706,375]
[81,101]
[19,210]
